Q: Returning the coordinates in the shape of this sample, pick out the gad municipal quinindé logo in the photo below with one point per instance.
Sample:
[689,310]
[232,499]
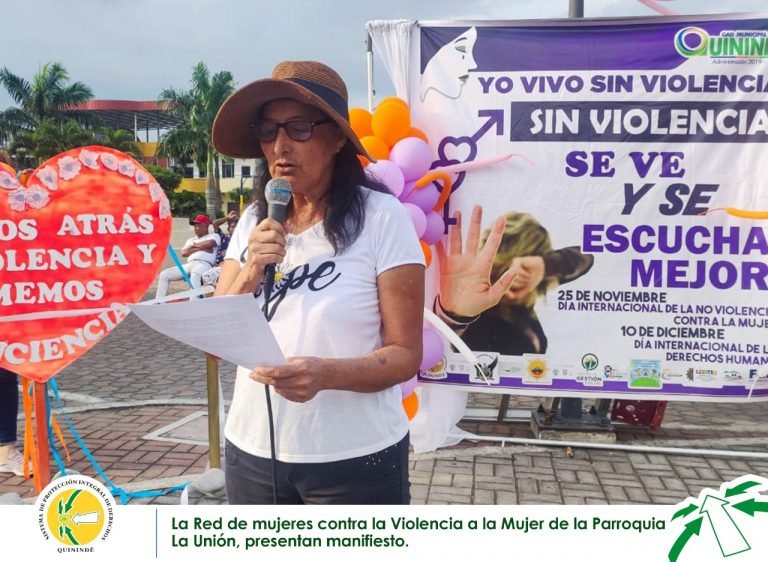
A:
[75,513]
[724,521]
[729,44]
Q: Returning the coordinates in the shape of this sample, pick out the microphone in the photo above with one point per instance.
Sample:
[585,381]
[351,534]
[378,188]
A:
[278,194]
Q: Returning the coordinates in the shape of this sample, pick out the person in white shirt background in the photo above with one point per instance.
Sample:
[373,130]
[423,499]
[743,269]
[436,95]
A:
[211,277]
[200,251]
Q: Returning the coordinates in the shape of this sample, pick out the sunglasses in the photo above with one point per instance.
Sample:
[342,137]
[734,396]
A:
[266,131]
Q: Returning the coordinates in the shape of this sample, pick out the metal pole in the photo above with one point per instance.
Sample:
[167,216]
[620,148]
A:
[43,449]
[615,447]
[242,193]
[369,58]
[571,408]
[214,437]
[575,8]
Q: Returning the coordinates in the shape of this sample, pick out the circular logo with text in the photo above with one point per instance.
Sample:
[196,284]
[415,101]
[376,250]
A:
[75,511]
[537,369]
[435,372]
[691,41]
[590,362]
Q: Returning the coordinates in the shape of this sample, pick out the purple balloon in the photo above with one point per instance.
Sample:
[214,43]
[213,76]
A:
[414,157]
[433,348]
[435,228]
[417,218]
[424,197]
[407,190]
[407,387]
[389,174]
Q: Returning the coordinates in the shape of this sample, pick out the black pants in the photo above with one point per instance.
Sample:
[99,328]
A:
[9,406]
[379,478]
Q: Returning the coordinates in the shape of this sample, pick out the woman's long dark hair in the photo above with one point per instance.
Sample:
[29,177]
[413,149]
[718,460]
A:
[345,211]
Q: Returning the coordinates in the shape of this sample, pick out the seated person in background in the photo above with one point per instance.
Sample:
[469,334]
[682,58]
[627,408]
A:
[200,251]
[211,277]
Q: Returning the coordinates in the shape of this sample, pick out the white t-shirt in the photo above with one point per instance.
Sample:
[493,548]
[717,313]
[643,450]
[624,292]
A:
[210,257]
[327,306]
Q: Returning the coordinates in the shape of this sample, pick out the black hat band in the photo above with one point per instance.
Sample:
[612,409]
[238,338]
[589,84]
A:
[338,103]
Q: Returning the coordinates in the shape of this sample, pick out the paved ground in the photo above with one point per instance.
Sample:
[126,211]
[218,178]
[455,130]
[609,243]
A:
[137,382]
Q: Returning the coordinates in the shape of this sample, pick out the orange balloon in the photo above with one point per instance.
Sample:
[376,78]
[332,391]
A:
[416,132]
[391,122]
[7,168]
[375,147]
[394,99]
[411,405]
[427,252]
[360,121]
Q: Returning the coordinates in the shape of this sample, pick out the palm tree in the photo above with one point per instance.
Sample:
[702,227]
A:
[121,140]
[47,96]
[51,137]
[197,107]
[43,100]
[184,144]
[12,121]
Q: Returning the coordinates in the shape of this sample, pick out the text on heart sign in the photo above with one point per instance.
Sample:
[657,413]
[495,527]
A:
[85,236]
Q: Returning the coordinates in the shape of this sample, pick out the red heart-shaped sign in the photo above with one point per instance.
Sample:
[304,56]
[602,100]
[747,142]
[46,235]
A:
[87,234]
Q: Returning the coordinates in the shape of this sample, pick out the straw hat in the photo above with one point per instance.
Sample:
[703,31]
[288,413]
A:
[309,82]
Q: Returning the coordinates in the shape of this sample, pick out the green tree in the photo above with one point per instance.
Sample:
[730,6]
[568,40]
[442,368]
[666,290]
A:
[168,180]
[121,140]
[185,146]
[52,136]
[41,126]
[13,120]
[187,203]
[191,141]
[47,96]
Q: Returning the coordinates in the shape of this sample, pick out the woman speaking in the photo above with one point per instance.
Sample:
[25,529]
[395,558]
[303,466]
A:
[346,306]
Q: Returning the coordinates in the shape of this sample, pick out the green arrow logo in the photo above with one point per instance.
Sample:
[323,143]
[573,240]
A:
[727,533]
[740,489]
[71,500]
[751,506]
[691,529]
[70,536]
[690,508]
[718,511]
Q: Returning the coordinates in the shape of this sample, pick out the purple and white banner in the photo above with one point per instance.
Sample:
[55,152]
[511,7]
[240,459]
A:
[638,202]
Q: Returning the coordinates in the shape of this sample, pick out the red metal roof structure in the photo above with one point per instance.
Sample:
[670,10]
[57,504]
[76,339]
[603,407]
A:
[129,115]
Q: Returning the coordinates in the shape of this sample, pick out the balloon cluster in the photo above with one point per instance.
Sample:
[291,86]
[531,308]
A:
[403,160]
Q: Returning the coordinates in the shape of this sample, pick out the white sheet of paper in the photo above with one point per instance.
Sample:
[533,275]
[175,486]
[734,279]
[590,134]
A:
[231,327]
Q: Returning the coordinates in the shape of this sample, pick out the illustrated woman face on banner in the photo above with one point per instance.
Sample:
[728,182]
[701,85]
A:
[448,71]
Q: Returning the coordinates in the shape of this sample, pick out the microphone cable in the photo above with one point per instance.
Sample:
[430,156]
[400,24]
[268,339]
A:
[278,194]
[267,294]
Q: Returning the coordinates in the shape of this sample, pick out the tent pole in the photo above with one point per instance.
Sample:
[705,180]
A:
[575,8]
[369,59]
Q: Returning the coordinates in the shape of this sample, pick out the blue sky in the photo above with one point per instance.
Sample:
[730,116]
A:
[132,49]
